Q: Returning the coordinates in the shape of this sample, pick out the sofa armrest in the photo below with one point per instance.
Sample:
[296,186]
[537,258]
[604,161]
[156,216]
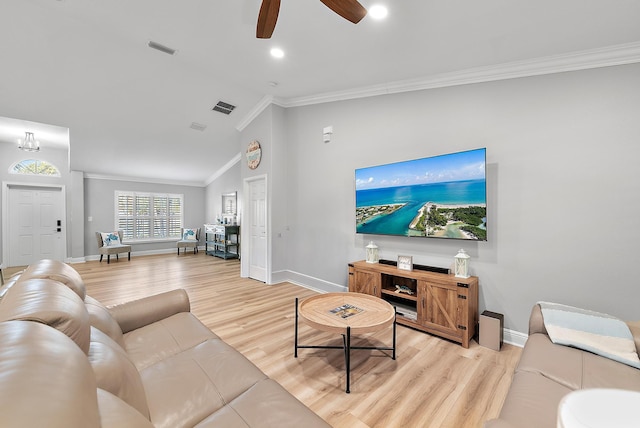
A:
[139,313]
[536,321]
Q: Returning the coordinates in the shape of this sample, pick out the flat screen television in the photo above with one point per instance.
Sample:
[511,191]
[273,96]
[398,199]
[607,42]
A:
[436,197]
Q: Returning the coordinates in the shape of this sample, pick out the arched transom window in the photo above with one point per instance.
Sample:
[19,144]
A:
[35,167]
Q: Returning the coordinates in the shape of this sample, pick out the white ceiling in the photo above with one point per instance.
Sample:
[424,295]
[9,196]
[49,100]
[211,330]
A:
[85,65]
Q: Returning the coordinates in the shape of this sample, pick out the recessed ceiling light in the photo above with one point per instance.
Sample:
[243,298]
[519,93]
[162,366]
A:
[378,11]
[277,53]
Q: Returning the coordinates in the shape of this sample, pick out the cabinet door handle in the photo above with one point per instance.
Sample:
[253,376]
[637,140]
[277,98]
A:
[423,303]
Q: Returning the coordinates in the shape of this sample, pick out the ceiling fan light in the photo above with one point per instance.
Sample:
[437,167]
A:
[378,11]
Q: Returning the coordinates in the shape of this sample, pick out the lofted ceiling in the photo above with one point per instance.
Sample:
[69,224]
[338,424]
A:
[85,65]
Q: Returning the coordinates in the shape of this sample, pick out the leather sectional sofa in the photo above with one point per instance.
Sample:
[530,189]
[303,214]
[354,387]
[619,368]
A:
[68,361]
[547,372]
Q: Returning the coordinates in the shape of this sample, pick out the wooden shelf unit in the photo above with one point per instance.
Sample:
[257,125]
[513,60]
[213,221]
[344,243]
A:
[222,240]
[442,304]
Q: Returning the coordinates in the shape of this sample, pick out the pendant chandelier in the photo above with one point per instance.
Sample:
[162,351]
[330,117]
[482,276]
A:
[30,144]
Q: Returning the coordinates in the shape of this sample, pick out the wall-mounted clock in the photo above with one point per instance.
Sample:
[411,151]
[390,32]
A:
[254,154]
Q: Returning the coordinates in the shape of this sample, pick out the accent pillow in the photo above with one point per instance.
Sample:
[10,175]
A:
[189,234]
[110,239]
[595,332]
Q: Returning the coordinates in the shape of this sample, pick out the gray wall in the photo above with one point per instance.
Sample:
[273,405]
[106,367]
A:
[225,183]
[269,128]
[71,180]
[99,200]
[563,185]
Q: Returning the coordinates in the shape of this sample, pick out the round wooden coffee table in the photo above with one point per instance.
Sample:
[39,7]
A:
[347,314]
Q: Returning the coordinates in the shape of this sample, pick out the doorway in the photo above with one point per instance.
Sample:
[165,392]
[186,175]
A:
[33,223]
[255,241]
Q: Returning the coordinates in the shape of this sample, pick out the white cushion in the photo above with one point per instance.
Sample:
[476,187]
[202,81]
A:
[110,239]
[189,234]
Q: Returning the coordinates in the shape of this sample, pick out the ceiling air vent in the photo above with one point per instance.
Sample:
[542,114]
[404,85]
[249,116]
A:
[223,107]
[161,48]
[198,126]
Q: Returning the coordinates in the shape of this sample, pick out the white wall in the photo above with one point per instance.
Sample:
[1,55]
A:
[563,185]
[99,203]
[270,129]
[225,183]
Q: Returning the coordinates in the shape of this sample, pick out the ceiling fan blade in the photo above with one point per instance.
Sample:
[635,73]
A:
[350,10]
[267,18]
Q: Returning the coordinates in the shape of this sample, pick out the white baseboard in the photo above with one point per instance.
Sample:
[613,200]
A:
[138,253]
[514,337]
[306,281]
[75,260]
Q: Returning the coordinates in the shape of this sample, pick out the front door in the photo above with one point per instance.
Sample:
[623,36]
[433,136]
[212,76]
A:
[35,224]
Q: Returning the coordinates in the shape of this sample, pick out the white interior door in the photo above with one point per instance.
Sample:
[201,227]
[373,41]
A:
[35,225]
[257,230]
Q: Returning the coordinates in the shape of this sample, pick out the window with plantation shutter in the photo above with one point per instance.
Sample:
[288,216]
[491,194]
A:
[149,216]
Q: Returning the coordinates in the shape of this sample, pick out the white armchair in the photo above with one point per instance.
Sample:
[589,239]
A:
[111,243]
[190,239]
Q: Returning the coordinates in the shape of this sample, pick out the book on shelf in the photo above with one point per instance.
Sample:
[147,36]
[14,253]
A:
[345,311]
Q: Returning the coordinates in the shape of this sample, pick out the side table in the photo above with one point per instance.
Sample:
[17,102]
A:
[346,314]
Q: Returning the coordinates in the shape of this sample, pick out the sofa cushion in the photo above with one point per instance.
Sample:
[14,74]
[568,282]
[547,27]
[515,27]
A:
[115,372]
[185,388]
[51,303]
[163,339]
[46,379]
[115,413]
[561,364]
[532,401]
[602,372]
[575,368]
[266,403]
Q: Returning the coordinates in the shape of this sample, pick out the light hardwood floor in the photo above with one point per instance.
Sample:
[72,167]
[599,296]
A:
[432,383]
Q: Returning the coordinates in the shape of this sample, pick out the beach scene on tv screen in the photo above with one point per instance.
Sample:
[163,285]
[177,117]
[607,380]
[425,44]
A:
[441,197]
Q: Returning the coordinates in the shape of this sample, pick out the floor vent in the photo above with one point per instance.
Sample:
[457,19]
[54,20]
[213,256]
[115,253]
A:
[223,107]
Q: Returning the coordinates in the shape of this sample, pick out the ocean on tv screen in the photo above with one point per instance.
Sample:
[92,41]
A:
[452,209]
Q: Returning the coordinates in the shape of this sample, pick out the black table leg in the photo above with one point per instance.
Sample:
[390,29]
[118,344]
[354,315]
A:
[295,352]
[395,316]
[348,359]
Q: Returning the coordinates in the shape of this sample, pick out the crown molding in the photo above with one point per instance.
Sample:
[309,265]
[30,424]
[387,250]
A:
[627,53]
[224,168]
[143,180]
[265,102]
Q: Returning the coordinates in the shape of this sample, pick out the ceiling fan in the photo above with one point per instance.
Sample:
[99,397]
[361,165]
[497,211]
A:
[350,10]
